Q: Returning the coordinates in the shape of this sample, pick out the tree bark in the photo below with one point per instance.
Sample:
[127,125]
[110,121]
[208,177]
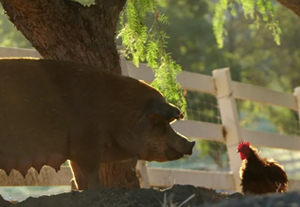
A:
[66,30]
[293,5]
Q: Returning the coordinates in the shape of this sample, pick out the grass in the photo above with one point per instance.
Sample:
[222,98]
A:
[168,201]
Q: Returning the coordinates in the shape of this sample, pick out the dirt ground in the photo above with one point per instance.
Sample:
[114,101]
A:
[155,198]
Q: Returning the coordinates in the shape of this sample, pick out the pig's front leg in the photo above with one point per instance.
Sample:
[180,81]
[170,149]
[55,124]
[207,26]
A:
[92,178]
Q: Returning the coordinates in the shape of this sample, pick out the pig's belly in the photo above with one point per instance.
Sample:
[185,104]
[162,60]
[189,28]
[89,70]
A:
[32,142]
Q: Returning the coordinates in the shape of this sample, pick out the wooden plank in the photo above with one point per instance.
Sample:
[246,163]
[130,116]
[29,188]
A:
[290,161]
[263,95]
[162,177]
[124,69]
[189,81]
[200,130]
[142,174]
[18,52]
[272,140]
[158,177]
[230,120]
[197,82]
[294,185]
[141,73]
[47,177]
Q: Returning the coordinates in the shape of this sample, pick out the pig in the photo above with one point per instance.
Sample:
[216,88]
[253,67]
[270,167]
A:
[52,111]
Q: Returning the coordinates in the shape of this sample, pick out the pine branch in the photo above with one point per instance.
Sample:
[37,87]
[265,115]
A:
[149,45]
[259,11]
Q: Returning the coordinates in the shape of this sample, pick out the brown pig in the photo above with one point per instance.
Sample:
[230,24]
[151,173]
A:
[53,111]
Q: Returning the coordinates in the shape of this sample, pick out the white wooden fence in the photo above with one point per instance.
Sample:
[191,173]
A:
[225,90]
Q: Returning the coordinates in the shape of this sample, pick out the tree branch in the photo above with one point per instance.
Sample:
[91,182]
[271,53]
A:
[293,5]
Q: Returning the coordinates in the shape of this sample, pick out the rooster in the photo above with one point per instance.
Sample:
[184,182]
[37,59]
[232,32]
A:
[260,175]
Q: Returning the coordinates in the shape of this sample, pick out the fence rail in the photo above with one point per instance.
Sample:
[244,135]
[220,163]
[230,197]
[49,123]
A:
[225,90]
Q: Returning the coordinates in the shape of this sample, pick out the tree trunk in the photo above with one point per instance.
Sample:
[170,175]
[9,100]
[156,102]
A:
[120,175]
[67,30]
[293,5]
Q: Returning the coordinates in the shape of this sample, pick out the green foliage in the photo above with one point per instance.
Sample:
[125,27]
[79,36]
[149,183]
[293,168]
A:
[257,10]
[219,20]
[251,54]
[148,44]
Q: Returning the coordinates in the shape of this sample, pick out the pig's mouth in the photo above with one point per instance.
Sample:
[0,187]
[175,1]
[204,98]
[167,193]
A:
[168,154]
[172,153]
[185,149]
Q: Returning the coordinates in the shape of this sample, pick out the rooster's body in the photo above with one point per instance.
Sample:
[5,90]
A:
[260,175]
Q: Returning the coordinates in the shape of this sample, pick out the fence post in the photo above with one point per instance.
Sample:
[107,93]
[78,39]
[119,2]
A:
[297,96]
[142,174]
[230,120]
[124,69]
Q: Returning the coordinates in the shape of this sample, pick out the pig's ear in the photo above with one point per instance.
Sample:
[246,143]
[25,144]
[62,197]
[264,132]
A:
[166,111]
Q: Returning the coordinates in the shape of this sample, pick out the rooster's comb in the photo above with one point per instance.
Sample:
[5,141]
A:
[243,143]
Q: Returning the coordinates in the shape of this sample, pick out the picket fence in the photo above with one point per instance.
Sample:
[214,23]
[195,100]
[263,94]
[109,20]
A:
[226,91]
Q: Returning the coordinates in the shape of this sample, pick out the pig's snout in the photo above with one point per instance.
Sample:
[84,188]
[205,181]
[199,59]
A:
[188,149]
[182,145]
